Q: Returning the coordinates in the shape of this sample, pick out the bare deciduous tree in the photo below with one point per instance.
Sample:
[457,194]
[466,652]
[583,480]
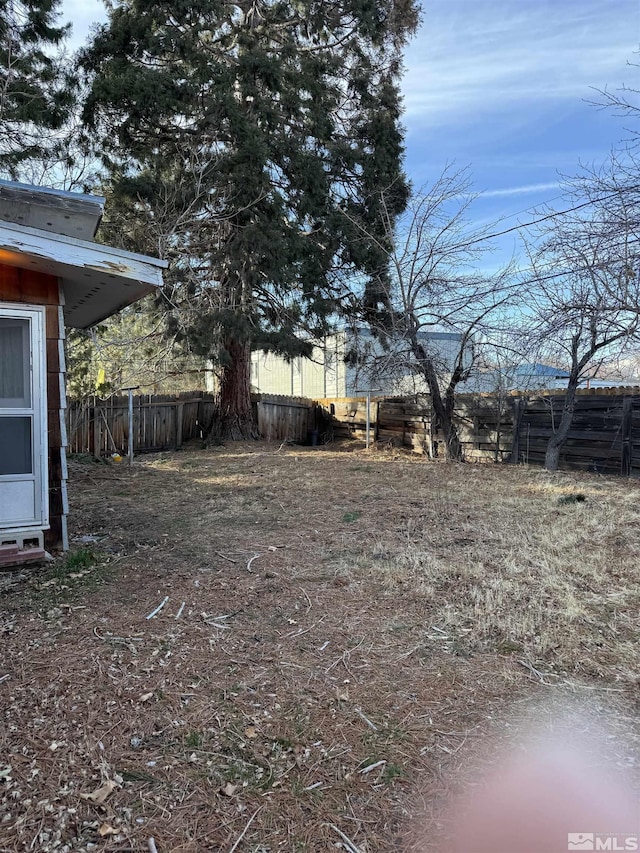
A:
[584,299]
[436,288]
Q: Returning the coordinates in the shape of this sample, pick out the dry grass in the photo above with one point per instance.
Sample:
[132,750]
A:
[355,624]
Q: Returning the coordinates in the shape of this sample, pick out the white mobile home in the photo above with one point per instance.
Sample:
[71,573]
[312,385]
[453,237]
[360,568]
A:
[349,362]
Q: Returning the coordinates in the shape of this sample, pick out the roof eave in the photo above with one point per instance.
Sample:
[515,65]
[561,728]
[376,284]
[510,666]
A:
[97,280]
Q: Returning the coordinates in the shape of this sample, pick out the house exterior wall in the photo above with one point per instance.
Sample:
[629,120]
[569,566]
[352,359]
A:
[326,374]
[323,375]
[337,372]
[272,373]
[28,287]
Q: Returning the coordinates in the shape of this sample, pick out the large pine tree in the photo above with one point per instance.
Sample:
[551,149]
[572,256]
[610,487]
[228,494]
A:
[36,90]
[248,137]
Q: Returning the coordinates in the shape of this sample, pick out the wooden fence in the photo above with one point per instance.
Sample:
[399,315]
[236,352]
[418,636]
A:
[160,422]
[485,427]
[402,421]
[605,434]
[164,422]
[285,418]
[484,424]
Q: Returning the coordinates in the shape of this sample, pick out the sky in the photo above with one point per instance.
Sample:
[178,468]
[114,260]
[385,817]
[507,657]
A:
[502,87]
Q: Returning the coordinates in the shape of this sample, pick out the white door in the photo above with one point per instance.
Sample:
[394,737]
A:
[23,457]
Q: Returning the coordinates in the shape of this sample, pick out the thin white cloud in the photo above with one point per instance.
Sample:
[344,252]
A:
[526,189]
[472,56]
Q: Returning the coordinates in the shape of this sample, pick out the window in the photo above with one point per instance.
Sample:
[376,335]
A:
[15,445]
[15,390]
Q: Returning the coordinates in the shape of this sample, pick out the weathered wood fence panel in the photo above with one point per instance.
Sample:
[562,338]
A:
[401,421]
[604,435]
[485,426]
[165,422]
[284,418]
[346,417]
[160,422]
[407,422]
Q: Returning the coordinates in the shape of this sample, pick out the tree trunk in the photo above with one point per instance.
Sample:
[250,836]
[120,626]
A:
[557,440]
[443,410]
[236,417]
[451,437]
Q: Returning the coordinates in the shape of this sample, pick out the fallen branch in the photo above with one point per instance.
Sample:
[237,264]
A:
[255,557]
[180,609]
[226,558]
[244,831]
[343,658]
[408,653]
[151,844]
[540,675]
[366,719]
[158,608]
[301,631]
[373,766]
[122,641]
[308,599]
[215,621]
[348,843]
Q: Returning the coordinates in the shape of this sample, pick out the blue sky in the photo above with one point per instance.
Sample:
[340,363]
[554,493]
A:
[502,87]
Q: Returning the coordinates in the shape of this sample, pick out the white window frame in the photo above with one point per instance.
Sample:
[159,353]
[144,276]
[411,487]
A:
[35,314]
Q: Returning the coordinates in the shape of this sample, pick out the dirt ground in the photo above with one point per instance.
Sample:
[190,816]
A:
[343,633]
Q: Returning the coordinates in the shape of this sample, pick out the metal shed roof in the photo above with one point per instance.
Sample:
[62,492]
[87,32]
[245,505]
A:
[40,230]
[72,214]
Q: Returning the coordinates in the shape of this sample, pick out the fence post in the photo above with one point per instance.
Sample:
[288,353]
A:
[627,418]
[97,432]
[515,441]
[179,419]
[368,442]
[130,436]
[376,425]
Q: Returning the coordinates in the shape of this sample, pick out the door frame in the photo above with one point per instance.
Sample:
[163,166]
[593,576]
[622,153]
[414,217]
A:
[36,316]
